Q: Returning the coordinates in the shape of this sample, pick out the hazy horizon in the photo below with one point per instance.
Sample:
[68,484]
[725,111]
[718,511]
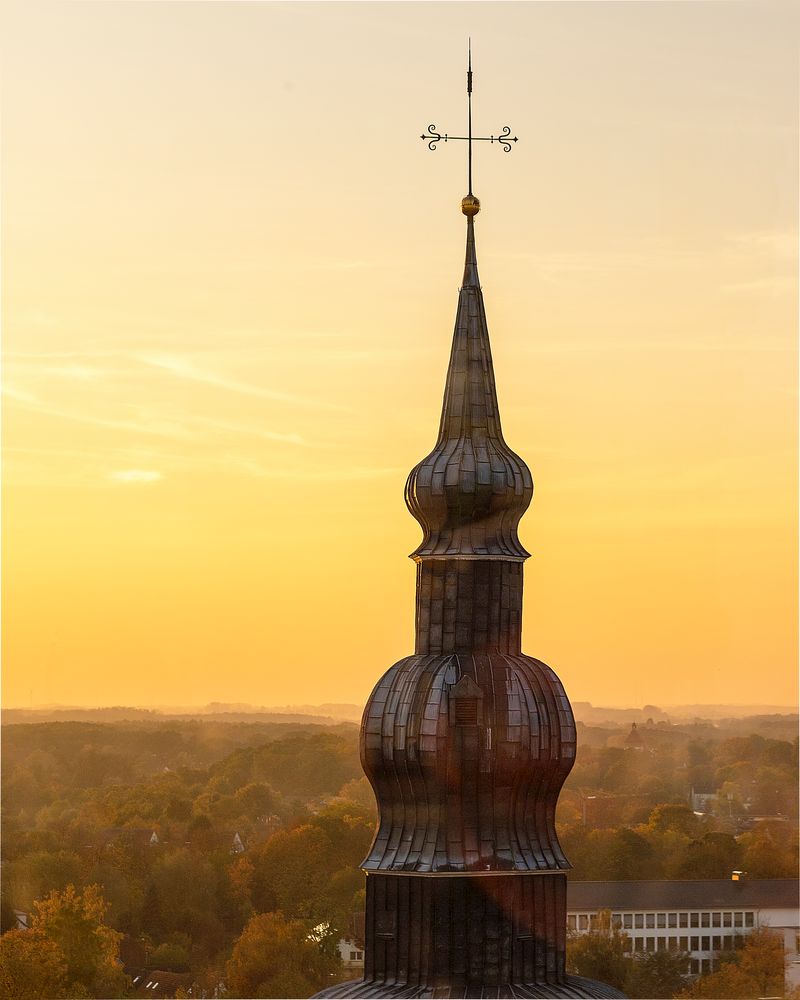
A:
[154,706]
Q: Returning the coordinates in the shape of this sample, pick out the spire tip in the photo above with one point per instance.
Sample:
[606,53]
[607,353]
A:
[470,205]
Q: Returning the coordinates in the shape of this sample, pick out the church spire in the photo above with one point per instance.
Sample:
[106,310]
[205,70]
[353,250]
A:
[470,492]
[467,742]
[471,279]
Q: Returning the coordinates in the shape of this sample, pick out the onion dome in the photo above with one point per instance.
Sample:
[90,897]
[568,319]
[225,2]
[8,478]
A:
[470,492]
[466,753]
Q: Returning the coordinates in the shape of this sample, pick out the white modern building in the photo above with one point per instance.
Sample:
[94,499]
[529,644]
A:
[702,917]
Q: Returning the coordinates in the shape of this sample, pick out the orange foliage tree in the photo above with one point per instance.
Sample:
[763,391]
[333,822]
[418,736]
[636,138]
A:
[276,957]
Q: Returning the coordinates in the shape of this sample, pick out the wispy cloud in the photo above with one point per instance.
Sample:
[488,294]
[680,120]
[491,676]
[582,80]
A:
[18,395]
[135,476]
[184,369]
[234,427]
[81,372]
[756,252]
[644,345]
[313,475]
[184,427]
[147,425]
[778,242]
[773,284]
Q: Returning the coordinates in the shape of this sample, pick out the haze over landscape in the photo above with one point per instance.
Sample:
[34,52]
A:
[229,281]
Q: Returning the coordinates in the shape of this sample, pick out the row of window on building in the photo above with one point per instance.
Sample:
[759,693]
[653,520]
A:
[712,942]
[700,966]
[635,921]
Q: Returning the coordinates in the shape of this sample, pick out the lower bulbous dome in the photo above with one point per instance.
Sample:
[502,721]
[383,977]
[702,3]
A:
[466,754]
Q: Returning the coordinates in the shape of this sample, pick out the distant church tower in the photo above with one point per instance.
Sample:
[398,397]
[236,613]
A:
[468,742]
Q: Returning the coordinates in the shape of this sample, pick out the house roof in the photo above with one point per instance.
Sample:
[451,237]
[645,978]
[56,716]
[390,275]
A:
[136,834]
[773,893]
[158,983]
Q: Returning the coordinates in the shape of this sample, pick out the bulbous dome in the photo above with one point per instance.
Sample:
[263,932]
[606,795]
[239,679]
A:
[467,754]
[470,492]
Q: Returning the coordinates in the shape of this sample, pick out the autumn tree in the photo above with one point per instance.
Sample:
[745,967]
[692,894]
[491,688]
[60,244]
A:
[75,923]
[290,871]
[240,876]
[312,872]
[255,799]
[754,970]
[770,851]
[360,791]
[31,967]
[674,816]
[276,957]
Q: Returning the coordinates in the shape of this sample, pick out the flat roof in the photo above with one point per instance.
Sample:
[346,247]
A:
[698,894]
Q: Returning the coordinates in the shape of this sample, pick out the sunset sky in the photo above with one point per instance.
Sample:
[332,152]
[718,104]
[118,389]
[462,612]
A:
[230,276]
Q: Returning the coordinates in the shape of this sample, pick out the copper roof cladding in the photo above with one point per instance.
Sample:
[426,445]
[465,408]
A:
[467,754]
[470,492]
[467,742]
[468,780]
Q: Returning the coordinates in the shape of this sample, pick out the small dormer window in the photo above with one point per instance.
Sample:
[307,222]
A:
[465,699]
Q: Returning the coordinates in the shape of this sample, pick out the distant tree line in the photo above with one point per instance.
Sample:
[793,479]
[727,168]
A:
[229,852]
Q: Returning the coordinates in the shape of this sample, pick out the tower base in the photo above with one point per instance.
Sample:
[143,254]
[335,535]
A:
[571,986]
[498,936]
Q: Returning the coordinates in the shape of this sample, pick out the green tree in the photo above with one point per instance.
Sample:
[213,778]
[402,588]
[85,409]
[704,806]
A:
[38,873]
[631,856]
[656,974]
[276,957]
[714,855]
[600,953]
[255,799]
[8,915]
[678,817]
[770,851]
[186,887]
[171,956]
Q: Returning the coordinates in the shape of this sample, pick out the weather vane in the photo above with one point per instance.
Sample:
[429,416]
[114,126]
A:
[505,138]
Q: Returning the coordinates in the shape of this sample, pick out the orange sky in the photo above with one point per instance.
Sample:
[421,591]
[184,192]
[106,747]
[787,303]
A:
[230,276]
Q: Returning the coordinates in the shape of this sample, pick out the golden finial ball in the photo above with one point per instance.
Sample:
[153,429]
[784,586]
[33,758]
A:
[470,205]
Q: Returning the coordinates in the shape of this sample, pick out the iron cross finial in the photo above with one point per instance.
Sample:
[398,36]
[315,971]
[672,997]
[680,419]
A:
[504,138]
